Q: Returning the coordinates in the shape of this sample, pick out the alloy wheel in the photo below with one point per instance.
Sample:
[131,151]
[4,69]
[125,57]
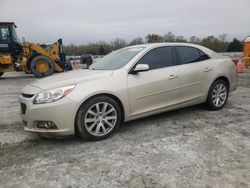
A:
[219,95]
[100,119]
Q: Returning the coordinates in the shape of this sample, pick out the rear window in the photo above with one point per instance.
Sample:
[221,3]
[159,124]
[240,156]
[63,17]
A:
[190,55]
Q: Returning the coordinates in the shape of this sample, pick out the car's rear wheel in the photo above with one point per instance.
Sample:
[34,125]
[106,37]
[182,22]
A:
[218,95]
[98,118]
[1,73]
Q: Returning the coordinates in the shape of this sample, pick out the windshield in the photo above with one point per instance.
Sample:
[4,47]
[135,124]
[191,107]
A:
[4,34]
[116,59]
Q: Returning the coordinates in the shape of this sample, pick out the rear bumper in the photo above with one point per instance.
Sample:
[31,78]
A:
[233,86]
[233,80]
[61,113]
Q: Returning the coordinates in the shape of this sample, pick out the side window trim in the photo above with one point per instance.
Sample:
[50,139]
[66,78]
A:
[175,62]
[207,57]
[177,58]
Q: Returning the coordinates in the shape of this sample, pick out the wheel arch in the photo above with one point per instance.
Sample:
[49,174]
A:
[209,99]
[221,77]
[114,97]
[224,78]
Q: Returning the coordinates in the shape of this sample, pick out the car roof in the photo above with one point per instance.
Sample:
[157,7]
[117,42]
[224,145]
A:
[207,51]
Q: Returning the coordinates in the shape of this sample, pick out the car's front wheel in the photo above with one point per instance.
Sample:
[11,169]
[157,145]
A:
[98,118]
[218,95]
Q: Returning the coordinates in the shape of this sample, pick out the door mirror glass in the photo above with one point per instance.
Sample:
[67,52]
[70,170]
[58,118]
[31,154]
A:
[140,68]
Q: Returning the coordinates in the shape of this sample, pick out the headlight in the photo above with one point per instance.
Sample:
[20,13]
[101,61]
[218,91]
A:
[53,95]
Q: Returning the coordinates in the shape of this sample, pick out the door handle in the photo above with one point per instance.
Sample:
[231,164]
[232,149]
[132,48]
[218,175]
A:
[207,69]
[172,77]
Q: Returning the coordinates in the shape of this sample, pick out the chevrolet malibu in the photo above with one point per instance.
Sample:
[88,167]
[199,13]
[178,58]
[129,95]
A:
[130,83]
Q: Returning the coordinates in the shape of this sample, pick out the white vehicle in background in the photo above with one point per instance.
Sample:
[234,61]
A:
[130,83]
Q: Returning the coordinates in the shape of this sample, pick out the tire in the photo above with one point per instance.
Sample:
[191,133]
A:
[1,74]
[91,125]
[28,72]
[42,66]
[218,95]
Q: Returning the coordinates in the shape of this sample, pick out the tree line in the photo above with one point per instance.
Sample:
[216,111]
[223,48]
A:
[217,43]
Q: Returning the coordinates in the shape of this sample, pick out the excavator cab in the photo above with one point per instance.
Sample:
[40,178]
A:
[9,42]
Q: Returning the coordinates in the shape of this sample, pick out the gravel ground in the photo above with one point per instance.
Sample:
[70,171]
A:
[191,147]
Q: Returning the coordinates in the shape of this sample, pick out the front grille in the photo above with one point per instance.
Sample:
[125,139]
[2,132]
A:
[27,95]
[23,108]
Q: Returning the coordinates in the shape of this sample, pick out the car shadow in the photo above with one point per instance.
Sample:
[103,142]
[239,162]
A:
[127,129]
[169,114]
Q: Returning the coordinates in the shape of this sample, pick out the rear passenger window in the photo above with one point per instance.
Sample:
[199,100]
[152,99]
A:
[158,58]
[203,56]
[190,54]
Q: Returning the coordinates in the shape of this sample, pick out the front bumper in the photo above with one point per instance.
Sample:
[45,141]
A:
[61,113]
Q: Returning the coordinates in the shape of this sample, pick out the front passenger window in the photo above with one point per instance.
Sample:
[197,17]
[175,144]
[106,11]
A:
[158,58]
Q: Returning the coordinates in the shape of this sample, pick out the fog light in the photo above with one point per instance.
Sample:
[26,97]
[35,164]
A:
[46,125]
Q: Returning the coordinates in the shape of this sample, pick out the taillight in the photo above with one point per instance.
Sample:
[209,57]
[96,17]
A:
[240,66]
[235,61]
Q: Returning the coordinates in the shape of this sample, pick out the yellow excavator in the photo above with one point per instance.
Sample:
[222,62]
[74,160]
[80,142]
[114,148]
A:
[40,60]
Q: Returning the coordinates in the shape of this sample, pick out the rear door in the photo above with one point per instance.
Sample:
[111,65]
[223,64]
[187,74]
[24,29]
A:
[157,88]
[195,73]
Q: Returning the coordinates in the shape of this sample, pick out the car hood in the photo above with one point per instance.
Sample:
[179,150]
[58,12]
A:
[69,78]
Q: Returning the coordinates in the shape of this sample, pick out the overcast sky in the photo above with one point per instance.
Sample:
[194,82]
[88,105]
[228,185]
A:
[83,21]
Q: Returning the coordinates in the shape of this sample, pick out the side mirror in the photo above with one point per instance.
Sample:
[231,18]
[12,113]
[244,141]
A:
[140,68]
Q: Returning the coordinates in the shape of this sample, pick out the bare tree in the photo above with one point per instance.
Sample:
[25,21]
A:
[194,40]
[136,41]
[118,43]
[180,39]
[222,38]
[153,38]
[169,37]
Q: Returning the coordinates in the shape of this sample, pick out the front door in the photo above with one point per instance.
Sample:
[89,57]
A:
[158,87]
